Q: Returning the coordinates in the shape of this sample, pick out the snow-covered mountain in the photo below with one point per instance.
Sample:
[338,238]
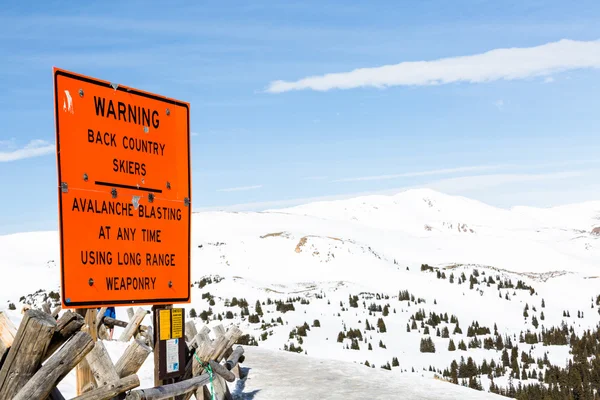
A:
[455,256]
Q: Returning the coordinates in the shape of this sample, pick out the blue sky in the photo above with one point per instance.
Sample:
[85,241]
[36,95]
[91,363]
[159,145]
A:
[514,127]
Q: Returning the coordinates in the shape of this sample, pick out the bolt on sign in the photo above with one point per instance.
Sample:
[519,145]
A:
[124,193]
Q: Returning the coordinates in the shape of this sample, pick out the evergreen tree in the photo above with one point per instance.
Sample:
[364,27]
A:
[381,325]
[193,313]
[395,362]
[457,329]
[258,308]
[445,332]
[427,345]
[451,346]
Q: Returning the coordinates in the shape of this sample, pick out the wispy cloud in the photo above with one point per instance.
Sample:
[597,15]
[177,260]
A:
[240,188]
[314,178]
[549,79]
[193,134]
[35,148]
[504,63]
[499,104]
[422,173]
[454,186]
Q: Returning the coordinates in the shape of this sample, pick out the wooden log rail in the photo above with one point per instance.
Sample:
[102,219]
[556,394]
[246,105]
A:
[184,387]
[35,357]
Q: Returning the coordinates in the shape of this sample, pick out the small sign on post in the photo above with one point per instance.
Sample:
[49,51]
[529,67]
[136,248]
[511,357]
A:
[171,342]
[124,190]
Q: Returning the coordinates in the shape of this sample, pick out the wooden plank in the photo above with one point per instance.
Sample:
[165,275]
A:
[102,332]
[234,358]
[222,371]
[219,330]
[111,390]
[8,331]
[115,322]
[85,380]
[25,355]
[130,313]
[169,391]
[101,365]
[133,325]
[132,359]
[205,330]
[100,315]
[56,368]
[56,311]
[66,326]
[190,331]
[150,337]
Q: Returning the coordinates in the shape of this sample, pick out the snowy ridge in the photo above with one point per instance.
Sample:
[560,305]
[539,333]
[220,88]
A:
[344,263]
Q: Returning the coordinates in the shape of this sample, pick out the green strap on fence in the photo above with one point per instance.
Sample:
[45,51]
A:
[207,367]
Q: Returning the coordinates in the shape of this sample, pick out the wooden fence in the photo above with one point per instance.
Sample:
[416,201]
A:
[38,354]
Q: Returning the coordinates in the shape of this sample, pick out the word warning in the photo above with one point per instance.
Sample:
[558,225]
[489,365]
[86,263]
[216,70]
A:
[124,190]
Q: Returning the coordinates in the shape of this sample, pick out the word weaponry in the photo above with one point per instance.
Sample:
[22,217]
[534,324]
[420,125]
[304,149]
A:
[127,283]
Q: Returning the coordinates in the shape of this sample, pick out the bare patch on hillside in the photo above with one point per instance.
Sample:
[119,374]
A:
[275,234]
[301,243]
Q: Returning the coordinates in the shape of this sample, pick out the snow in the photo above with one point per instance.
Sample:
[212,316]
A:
[374,245]
[273,375]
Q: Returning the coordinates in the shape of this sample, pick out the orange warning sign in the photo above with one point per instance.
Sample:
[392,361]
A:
[124,189]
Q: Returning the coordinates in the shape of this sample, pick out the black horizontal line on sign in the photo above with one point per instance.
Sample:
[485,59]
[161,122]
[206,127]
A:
[119,185]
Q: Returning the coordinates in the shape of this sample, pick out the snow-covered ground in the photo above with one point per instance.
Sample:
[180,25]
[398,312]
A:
[273,375]
[373,247]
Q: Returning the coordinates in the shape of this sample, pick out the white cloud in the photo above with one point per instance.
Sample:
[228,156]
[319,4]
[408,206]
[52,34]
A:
[461,184]
[549,80]
[35,148]
[422,173]
[194,133]
[314,178]
[504,63]
[240,188]
[499,104]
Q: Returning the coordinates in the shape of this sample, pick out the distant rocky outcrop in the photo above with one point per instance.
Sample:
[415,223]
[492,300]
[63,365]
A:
[596,231]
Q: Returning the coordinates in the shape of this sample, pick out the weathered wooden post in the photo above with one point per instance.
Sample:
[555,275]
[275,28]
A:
[27,351]
[100,364]
[132,359]
[8,331]
[66,326]
[84,375]
[56,368]
[133,325]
